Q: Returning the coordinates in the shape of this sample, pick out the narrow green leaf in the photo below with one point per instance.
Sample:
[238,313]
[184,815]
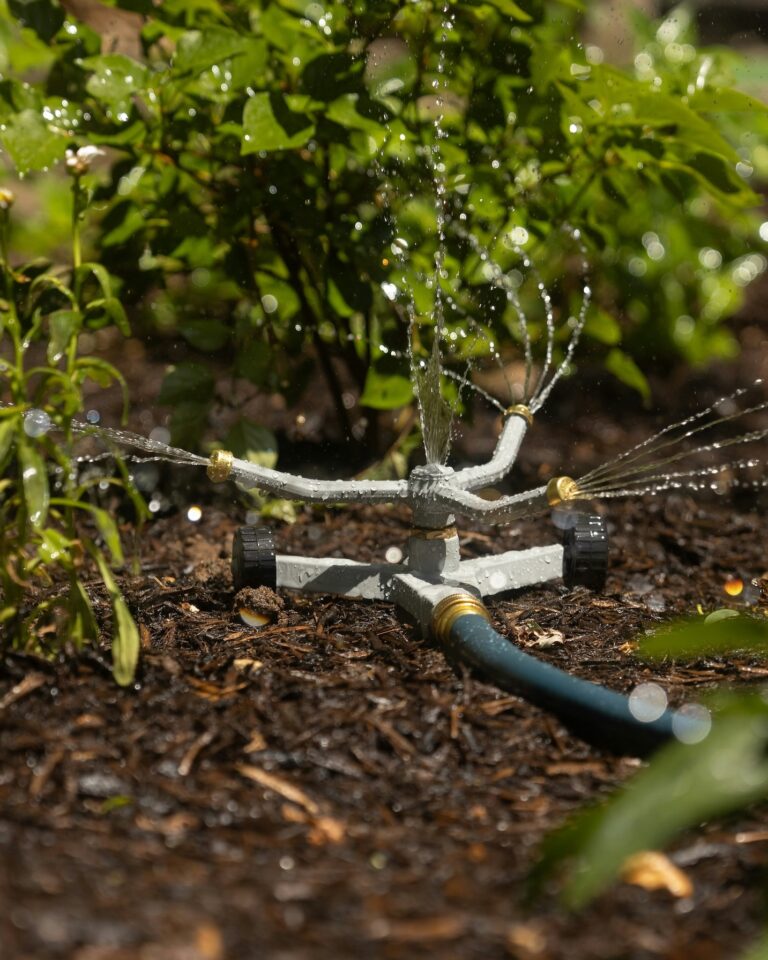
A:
[8,428]
[126,642]
[269,124]
[34,479]
[622,366]
[713,100]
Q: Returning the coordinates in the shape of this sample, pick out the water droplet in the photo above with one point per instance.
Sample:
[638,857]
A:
[36,423]
[647,702]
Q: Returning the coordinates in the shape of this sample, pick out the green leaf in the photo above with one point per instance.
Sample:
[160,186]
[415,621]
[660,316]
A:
[199,50]
[683,786]
[188,422]
[206,335]
[269,124]
[42,16]
[63,325]
[34,481]
[721,632]
[8,428]
[187,381]
[253,442]
[101,275]
[386,391]
[31,143]
[714,100]
[116,80]
[510,9]
[354,113]
[125,634]
[622,366]
[602,326]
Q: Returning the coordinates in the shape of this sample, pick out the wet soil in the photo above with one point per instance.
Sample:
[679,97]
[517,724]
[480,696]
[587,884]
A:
[326,785]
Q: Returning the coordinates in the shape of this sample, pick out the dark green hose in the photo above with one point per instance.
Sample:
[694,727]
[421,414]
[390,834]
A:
[597,715]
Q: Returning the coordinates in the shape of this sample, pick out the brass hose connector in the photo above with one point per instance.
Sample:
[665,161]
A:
[428,533]
[220,465]
[448,611]
[520,410]
[561,489]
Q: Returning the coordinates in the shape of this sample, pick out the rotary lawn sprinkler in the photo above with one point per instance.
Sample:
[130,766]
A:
[443,593]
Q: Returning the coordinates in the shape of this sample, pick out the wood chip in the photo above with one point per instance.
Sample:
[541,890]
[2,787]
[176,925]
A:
[653,870]
[526,941]
[31,682]
[279,785]
[447,926]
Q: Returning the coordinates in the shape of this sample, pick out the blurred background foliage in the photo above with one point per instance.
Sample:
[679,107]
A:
[268,193]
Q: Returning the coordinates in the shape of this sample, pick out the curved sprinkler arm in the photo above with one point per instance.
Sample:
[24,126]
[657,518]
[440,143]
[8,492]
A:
[224,466]
[598,715]
[519,418]
[507,509]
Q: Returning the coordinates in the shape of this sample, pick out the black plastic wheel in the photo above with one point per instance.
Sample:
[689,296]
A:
[254,562]
[585,561]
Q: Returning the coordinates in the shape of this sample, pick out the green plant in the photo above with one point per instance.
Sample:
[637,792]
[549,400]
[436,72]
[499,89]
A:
[271,198]
[684,784]
[53,532]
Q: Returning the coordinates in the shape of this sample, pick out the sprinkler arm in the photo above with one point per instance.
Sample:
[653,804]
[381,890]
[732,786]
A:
[223,466]
[519,418]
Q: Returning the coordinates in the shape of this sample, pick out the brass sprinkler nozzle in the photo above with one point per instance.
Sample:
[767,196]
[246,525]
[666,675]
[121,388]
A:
[520,410]
[220,465]
[561,489]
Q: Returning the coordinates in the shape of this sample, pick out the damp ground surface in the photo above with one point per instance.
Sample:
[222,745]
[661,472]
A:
[327,786]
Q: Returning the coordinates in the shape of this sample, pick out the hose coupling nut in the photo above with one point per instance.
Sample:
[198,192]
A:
[561,489]
[450,608]
[520,410]
[220,465]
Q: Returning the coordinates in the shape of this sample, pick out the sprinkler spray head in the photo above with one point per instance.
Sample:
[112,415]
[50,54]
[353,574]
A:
[520,410]
[562,489]
[220,466]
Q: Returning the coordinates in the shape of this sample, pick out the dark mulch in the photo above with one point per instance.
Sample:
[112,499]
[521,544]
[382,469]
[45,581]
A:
[327,786]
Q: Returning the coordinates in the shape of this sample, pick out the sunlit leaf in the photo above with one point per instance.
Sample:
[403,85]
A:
[34,479]
[253,442]
[386,391]
[269,124]
[126,642]
[683,786]
[622,366]
[63,326]
[706,637]
[31,142]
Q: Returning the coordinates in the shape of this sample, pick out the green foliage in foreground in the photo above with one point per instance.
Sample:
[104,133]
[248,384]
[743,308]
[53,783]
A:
[684,784]
[54,532]
[272,166]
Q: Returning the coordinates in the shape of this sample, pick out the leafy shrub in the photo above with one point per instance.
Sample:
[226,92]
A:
[53,532]
[272,187]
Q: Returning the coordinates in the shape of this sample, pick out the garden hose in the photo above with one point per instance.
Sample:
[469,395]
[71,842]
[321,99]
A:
[600,716]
